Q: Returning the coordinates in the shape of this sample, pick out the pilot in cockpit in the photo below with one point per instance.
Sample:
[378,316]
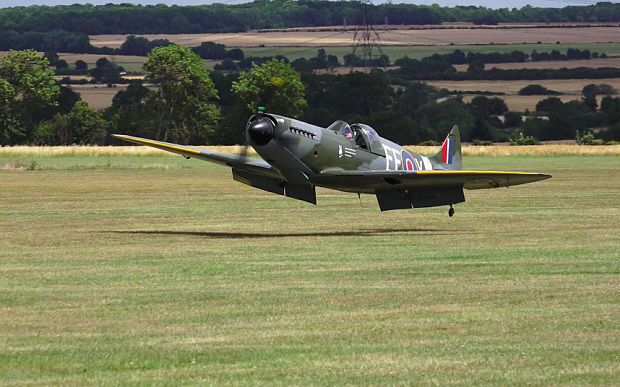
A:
[347,132]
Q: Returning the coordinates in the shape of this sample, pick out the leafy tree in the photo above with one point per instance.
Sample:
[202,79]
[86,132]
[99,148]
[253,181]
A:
[536,89]
[483,106]
[476,66]
[81,125]
[611,134]
[481,130]
[440,117]
[105,71]
[61,64]
[358,94]
[226,65]
[89,126]
[590,101]
[52,57]
[415,96]
[535,127]
[183,99]
[598,89]
[67,99]
[512,119]
[139,45]
[28,87]
[80,65]
[56,131]
[235,54]
[130,112]
[610,107]
[565,120]
[548,104]
[274,84]
[211,50]
[10,128]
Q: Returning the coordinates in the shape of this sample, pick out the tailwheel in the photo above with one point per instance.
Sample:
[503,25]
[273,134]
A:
[451,211]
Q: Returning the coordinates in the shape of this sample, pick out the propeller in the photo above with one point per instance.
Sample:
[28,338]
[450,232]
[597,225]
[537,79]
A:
[260,130]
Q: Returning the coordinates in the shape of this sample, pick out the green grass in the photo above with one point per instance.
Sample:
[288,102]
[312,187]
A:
[396,52]
[158,270]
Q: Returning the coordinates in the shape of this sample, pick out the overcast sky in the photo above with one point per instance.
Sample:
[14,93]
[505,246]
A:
[486,3]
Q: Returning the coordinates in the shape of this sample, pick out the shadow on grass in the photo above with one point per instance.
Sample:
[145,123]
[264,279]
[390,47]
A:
[245,235]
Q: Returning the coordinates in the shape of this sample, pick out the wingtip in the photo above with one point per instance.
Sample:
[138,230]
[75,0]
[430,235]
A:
[120,136]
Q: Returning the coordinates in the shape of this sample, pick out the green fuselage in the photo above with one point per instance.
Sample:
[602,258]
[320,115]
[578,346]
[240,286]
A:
[329,149]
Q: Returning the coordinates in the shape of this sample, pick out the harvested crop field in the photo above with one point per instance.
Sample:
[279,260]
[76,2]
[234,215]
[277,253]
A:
[389,37]
[420,51]
[98,97]
[519,103]
[569,89]
[563,86]
[551,64]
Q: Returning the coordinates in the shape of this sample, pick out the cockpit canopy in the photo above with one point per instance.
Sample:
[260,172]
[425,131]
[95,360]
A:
[364,136]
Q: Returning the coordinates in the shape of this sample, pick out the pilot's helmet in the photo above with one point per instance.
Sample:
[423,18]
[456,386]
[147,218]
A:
[347,132]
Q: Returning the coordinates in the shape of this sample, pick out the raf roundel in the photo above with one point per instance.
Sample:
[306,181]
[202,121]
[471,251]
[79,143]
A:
[408,161]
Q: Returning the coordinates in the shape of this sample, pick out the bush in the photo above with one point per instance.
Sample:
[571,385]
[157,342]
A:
[611,134]
[524,140]
[598,89]
[512,119]
[584,138]
[536,90]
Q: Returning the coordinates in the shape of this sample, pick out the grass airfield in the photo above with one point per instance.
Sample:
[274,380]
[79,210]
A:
[154,269]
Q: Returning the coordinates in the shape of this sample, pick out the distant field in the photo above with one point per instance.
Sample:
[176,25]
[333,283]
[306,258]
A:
[98,97]
[552,64]
[519,103]
[564,86]
[418,52]
[570,89]
[157,270]
[130,63]
[389,37]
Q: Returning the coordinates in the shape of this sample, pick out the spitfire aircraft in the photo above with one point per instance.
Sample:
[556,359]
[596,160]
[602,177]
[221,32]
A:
[298,156]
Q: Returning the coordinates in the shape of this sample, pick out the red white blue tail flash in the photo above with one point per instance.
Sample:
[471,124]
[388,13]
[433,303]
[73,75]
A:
[447,150]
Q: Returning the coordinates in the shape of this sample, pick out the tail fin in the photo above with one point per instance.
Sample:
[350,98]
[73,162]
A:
[449,156]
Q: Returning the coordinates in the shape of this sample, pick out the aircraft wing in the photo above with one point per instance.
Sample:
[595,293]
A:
[256,166]
[389,180]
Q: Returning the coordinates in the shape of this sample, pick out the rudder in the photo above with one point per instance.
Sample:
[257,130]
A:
[449,156]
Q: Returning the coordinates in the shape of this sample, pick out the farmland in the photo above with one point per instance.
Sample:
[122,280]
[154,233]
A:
[552,64]
[125,268]
[396,42]
[389,37]
[420,42]
[569,89]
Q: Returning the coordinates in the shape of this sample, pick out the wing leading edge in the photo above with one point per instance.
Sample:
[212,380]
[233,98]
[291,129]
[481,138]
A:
[253,165]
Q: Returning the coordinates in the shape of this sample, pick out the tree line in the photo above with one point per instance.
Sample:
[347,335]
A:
[457,56]
[186,103]
[260,14]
